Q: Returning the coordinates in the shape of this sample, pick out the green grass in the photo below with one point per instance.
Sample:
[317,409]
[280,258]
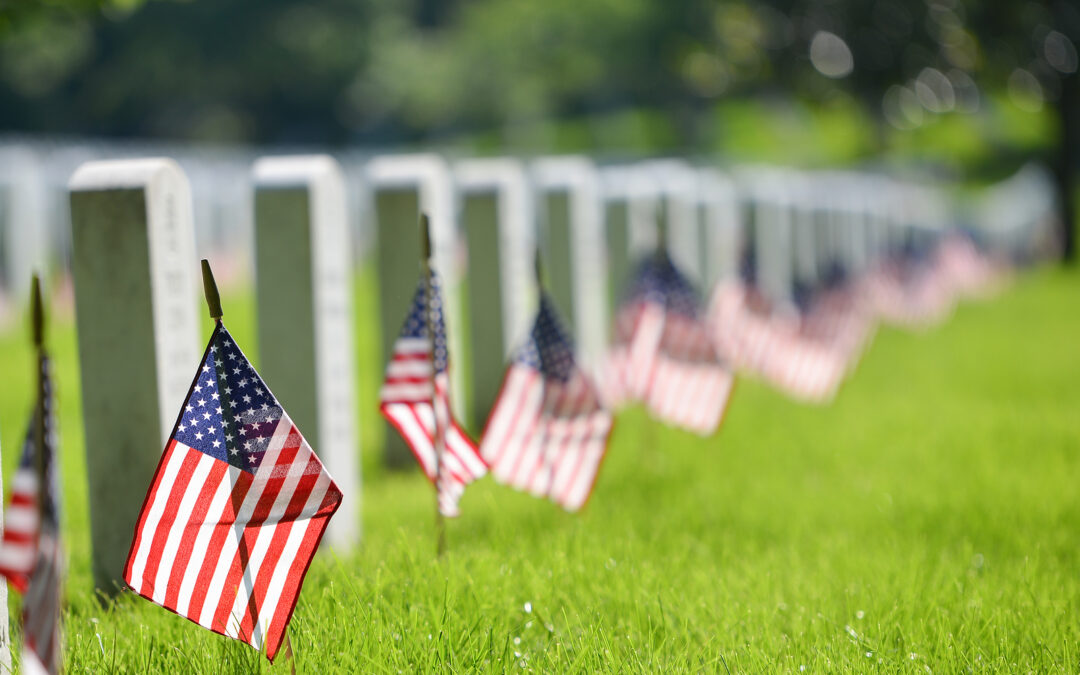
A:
[928,519]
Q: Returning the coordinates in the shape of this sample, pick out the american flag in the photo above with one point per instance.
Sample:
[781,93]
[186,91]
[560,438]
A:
[798,354]
[911,293]
[30,555]
[420,411]
[663,353]
[548,431]
[236,508]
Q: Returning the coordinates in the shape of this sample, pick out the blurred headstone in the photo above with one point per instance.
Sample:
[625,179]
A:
[854,219]
[570,235]
[630,232]
[303,292]
[722,224]
[224,211]
[402,186]
[678,184]
[772,233]
[24,238]
[804,206]
[836,225]
[59,165]
[496,220]
[135,275]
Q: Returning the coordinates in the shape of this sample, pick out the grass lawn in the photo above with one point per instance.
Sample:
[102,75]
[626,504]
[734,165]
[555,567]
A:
[927,520]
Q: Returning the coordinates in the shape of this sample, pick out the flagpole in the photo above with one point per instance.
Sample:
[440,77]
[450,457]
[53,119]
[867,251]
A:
[37,327]
[429,320]
[538,268]
[213,304]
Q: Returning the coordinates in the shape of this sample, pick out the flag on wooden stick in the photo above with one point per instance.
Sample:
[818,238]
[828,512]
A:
[804,355]
[548,431]
[31,556]
[415,399]
[22,519]
[663,353]
[236,509]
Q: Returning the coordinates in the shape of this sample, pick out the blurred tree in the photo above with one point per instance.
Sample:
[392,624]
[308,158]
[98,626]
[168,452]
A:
[911,61]
[651,73]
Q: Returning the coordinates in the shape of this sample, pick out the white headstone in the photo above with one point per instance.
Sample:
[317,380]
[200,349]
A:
[496,217]
[23,237]
[804,204]
[678,183]
[630,224]
[135,275]
[772,234]
[402,187]
[304,280]
[574,184]
[722,223]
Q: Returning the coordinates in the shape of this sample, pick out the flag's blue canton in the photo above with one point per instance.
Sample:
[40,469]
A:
[230,414]
[658,280]
[416,326]
[549,348]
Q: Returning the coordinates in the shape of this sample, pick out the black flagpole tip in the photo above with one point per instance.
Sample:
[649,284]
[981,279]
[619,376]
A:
[425,237]
[213,300]
[37,311]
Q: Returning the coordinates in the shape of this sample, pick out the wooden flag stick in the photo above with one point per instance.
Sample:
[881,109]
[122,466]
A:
[538,266]
[213,299]
[439,439]
[213,303]
[37,331]
[37,313]
[289,652]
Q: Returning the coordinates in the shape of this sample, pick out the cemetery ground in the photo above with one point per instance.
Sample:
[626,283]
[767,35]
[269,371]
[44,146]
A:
[926,520]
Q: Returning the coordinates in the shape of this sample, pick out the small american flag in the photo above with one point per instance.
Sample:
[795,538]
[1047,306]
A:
[804,356]
[663,353]
[236,508]
[420,411]
[30,555]
[908,293]
[548,431]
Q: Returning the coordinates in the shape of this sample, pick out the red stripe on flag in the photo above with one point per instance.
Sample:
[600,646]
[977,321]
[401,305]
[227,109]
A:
[218,473]
[168,517]
[223,530]
[298,570]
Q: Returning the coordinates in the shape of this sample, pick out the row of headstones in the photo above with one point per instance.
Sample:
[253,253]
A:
[34,217]
[134,269]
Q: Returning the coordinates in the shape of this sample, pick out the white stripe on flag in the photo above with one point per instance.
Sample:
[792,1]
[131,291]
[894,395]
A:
[221,499]
[227,554]
[176,531]
[153,517]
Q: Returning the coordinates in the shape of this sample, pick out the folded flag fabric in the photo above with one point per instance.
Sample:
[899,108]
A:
[22,520]
[548,431]
[663,353]
[30,555]
[798,355]
[415,399]
[968,271]
[236,508]
[909,293]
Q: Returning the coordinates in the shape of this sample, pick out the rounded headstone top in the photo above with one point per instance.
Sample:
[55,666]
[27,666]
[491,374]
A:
[565,171]
[489,173]
[126,173]
[408,169]
[297,170]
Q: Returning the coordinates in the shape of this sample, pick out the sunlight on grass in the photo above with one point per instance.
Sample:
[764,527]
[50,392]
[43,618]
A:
[928,518]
